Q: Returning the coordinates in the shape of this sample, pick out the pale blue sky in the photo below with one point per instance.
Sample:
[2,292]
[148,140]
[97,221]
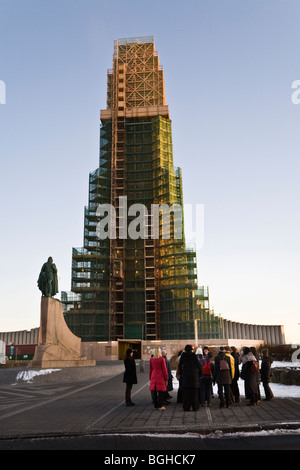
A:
[229,66]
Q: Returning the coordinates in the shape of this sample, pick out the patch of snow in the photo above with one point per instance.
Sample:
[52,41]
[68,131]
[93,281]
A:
[188,435]
[279,390]
[286,364]
[28,375]
[271,432]
[213,435]
[283,391]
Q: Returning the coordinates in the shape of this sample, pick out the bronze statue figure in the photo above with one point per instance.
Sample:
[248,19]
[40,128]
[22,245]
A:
[47,281]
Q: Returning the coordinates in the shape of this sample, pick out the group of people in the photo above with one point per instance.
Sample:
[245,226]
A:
[197,373]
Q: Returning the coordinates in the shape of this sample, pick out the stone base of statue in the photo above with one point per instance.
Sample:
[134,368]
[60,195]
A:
[57,345]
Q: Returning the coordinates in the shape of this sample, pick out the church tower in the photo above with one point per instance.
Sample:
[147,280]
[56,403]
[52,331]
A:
[141,285]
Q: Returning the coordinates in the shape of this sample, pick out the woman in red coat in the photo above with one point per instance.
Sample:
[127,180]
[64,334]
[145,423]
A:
[158,375]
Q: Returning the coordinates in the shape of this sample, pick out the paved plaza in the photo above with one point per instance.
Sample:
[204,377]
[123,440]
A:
[90,402]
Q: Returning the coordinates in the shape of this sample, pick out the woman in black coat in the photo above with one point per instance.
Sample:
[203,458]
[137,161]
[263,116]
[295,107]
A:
[266,373]
[129,376]
[190,370]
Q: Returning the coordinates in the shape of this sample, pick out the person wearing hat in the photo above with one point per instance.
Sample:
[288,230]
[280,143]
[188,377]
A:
[129,376]
[190,369]
[205,351]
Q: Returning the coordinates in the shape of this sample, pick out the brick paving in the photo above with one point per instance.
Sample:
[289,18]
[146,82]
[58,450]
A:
[92,402]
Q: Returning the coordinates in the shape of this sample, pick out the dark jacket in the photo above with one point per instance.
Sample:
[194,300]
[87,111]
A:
[189,369]
[266,364]
[250,377]
[222,377]
[170,381]
[130,371]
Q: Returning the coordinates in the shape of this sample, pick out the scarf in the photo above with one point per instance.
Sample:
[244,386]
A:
[249,357]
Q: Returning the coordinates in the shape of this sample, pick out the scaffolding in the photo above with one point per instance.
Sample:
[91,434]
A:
[144,288]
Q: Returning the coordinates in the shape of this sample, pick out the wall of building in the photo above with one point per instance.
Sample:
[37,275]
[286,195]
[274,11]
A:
[234,334]
[115,350]
[20,337]
[271,334]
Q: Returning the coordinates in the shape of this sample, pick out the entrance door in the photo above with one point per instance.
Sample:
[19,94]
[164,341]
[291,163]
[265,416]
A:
[134,345]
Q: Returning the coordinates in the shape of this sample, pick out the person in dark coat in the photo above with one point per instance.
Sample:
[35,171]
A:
[190,370]
[256,355]
[129,376]
[179,378]
[223,377]
[170,381]
[234,385]
[265,373]
[249,376]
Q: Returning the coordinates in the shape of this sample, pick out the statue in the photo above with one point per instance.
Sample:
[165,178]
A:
[47,281]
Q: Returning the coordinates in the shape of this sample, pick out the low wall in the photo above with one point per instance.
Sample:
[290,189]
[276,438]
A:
[286,375]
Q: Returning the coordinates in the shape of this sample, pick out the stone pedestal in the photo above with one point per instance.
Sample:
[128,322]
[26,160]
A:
[57,345]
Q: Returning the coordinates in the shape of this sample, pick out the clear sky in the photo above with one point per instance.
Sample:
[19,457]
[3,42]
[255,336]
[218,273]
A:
[229,67]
